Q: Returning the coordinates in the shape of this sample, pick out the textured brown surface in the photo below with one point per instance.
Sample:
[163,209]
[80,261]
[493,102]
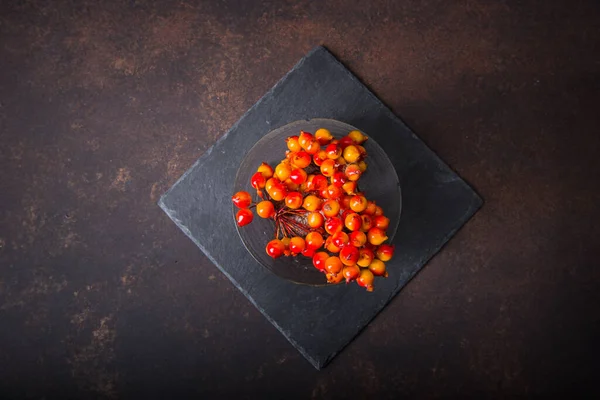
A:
[103,105]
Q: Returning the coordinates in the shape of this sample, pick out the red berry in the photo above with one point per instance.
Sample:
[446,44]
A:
[319,182]
[345,142]
[338,179]
[258,181]
[385,252]
[275,248]
[308,252]
[340,239]
[349,255]
[333,151]
[371,206]
[319,158]
[381,222]
[333,225]
[298,176]
[243,217]
[242,199]
[319,260]
[333,192]
[305,138]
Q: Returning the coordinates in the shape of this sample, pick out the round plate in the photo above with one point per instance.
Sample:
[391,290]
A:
[379,183]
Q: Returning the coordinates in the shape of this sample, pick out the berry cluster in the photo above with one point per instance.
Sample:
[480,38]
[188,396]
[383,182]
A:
[319,212]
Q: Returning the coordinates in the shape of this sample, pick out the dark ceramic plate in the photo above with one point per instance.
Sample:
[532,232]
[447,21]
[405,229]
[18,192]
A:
[380,183]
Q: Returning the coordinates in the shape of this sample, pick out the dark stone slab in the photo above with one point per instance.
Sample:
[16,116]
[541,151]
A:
[320,321]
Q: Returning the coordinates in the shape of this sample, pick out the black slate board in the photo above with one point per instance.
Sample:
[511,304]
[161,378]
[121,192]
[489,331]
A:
[320,321]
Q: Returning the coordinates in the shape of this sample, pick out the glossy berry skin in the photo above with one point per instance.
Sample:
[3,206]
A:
[358,239]
[338,179]
[371,206]
[297,245]
[265,209]
[308,252]
[278,192]
[378,211]
[315,219]
[258,181]
[345,142]
[330,246]
[241,199]
[323,136]
[243,217]
[320,182]
[365,257]
[333,265]
[331,208]
[328,167]
[333,151]
[283,171]
[333,225]
[313,147]
[266,170]
[349,255]
[365,279]
[385,252]
[377,267]
[275,248]
[271,182]
[301,159]
[319,260]
[311,203]
[357,137]
[381,222]
[376,236]
[314,240]
[293,200]
[367,222]
[358,203]
[340,239]
[292,143]
[305,138]
[298,176]
[349,187]
[350,273]
[353,222]
[334,192]
[319,158]
[351,154]
[353,172]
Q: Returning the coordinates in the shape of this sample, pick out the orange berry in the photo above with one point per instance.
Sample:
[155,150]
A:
[265,209]
[277,192]
[358,203]
[271,182]
[376,236]
[330,246]
[381,222]
[311,203]
[353,172]
[340,239]
[292,143]
[351,154]
[333,192]
[349,187]
[357,137]
[377,267]
[266,170]
[370,210]
[362,166]
[378,211]
[314,240]
[301,159]
[305,138]
[365,279]
[313,147]
[365,257]
[331,208]
[334,278]
[323,136]
[315,219]
[333,265]
[319,260]
[319,158]
[328,167]
[350,272]
[282,171]
[353,222]
[367,223]
[296,245]
[291,186]
[293,200]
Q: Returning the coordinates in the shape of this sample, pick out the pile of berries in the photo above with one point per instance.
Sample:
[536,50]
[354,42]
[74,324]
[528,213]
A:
[319,212]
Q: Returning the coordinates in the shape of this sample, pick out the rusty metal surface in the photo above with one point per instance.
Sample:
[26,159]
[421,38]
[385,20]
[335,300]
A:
[103,105]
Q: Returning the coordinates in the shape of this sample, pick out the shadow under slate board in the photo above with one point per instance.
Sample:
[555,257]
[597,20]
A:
[320,321]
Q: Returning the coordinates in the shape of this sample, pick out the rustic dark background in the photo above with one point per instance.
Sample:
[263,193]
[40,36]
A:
[103,105]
